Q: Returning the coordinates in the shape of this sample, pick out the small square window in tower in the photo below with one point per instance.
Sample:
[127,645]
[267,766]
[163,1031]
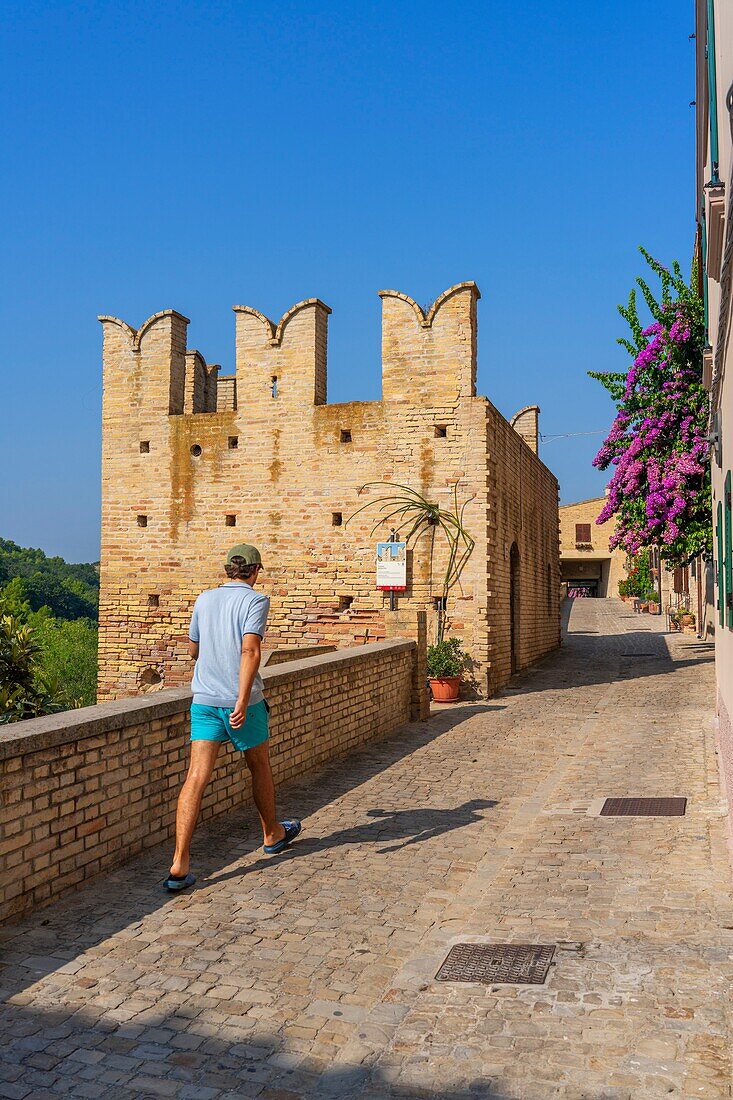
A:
[337,519]
[231,520]
[142,521]
[233,442]
[144,446]
[345,602]
[441,431]
[345,435]
[153,601]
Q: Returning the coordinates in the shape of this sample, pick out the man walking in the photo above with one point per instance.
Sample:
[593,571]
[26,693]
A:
[225,639]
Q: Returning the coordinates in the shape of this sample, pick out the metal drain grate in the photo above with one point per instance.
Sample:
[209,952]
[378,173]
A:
[644,807]
[515,963]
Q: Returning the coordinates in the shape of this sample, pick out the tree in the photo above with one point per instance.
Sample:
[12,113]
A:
[659,493]
[25,691]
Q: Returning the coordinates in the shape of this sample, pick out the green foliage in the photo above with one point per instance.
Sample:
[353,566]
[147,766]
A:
[70,659]
[70,591]
[48,634]
[613,381]
[25,689]
[640,582]
[446,658]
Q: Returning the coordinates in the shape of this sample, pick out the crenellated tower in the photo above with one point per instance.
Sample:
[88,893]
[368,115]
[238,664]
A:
[194,460]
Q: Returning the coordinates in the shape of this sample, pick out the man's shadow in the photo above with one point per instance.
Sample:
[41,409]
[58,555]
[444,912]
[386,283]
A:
[407,827]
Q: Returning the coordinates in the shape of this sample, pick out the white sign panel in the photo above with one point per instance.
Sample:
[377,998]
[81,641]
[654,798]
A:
[392,566]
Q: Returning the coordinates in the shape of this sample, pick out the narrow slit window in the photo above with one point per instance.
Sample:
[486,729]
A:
[337,519]
[346,435]
[273,385]
[144,446]
[233,442]
[441,431]
[153,600]
[231,519]
[142,521]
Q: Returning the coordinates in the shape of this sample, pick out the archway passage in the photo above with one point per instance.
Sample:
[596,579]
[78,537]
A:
[514,605]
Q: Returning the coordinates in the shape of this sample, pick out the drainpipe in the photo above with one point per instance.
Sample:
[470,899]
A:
[713,96]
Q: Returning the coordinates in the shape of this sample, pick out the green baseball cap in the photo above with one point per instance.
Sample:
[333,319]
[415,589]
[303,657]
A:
[250,555]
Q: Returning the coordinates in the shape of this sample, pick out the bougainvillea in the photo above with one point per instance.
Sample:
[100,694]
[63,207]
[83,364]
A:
[659,493]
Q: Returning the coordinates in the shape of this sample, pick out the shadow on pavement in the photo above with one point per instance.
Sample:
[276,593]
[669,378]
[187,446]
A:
[175,1054]
[408,826]
[121,897]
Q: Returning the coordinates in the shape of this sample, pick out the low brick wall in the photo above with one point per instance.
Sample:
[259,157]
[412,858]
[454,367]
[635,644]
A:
[83,791]
[296,653]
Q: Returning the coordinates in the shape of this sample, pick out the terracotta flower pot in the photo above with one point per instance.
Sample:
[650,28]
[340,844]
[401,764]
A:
[445,688]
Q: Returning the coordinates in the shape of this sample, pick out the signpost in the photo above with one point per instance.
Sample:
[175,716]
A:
[392,568]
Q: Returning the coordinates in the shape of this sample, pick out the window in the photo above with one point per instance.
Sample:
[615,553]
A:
[233,442]
[231,520]
[441,431]
[153,601]
[346,435]
[345,602]
[582,534]
[144,446]
[681,580]
[142,521]
[337,519]
[196,450]
[440,602]
[273,385]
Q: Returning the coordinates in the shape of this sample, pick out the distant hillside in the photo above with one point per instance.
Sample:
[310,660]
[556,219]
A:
[71,591]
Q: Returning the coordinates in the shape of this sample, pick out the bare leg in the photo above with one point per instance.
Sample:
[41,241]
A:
[263,792]
[203,758]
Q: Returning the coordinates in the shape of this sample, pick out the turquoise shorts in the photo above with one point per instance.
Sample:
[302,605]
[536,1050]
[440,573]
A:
[212,724]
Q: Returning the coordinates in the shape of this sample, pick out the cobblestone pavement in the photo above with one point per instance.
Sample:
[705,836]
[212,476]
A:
[314,975]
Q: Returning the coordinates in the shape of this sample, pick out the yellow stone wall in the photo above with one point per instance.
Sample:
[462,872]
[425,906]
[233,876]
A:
[276,459]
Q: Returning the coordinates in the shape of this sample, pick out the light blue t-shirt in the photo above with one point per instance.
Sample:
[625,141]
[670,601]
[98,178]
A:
[221,618]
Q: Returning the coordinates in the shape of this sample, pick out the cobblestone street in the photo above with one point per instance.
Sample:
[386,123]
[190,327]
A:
[314,975]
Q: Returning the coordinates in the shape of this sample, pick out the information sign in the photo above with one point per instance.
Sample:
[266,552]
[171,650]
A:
[392,566]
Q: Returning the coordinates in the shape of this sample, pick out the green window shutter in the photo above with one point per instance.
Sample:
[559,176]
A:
[729,556]
[720,578]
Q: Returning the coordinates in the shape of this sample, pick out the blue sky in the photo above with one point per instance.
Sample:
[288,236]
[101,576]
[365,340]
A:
[197,155]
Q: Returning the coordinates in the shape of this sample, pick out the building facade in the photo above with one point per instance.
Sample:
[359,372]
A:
[587,563]
[714,175]
[194,462]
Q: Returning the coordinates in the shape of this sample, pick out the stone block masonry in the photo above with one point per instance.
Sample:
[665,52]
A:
[193,462]
[85,790]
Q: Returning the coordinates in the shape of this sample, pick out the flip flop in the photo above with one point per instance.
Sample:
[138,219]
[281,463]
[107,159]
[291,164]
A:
[292,829]
[176,883]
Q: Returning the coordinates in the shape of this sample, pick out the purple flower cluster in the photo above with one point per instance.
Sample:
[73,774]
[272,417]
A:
[657,443]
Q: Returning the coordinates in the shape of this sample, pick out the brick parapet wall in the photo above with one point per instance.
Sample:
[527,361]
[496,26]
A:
[81,792]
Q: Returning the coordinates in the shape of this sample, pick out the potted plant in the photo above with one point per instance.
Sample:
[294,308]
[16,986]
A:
[686,620]
[446,663]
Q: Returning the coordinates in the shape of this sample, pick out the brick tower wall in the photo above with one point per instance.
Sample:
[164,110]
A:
[282,467]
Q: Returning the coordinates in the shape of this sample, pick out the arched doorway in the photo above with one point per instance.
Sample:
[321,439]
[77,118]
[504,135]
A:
[514,606]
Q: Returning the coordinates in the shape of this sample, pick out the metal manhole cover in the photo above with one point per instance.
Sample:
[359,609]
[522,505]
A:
[516,963]
[644,807]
